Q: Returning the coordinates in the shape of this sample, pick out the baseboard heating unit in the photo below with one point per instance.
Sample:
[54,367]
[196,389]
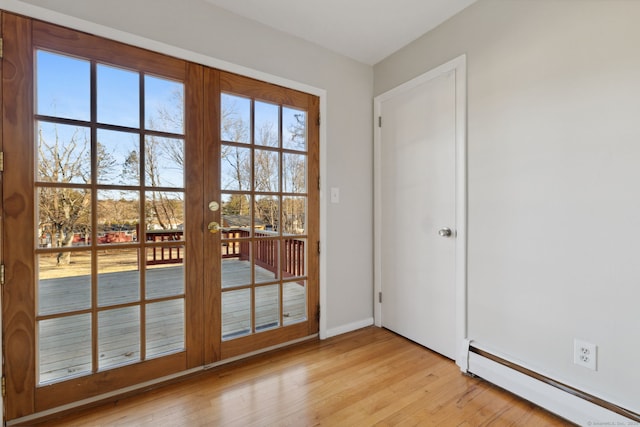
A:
[565,401]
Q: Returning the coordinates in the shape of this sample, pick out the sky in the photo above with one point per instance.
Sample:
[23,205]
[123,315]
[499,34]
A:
[63,90]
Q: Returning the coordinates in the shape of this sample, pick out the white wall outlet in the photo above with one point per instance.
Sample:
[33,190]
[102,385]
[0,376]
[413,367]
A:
[585,354]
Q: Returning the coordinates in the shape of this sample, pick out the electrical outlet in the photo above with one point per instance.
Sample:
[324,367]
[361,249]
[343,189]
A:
[585,354]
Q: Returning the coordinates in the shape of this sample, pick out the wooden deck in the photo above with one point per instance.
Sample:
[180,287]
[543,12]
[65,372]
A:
[64,345]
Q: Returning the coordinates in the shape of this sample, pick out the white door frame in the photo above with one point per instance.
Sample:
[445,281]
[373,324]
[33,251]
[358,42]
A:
[459,67]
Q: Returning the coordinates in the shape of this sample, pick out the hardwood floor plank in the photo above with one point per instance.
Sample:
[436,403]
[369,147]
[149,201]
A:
[364,378]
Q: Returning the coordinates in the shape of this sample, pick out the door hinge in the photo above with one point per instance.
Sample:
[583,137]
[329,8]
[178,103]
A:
[318,247]
[318,119]
[379,121]
[1,47]
[318,313]
[318,183]
[1,157]
[380,297]
[4,386]
[1,274]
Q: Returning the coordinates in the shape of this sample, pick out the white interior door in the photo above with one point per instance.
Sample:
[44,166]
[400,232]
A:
[418,221]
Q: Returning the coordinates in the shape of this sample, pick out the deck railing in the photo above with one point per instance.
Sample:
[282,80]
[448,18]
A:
[265,250]
[165,254]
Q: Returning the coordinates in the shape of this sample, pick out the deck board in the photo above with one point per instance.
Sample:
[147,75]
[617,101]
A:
[65,343]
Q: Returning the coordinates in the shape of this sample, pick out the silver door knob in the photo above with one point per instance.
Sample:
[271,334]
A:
[445,232]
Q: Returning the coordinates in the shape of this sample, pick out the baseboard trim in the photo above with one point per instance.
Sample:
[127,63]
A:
[563,400]
[349,327]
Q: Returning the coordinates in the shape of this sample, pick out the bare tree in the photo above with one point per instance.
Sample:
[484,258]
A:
[235,129]
[173,118]
[294,178]
[65,210]
[266,176]
[298,131]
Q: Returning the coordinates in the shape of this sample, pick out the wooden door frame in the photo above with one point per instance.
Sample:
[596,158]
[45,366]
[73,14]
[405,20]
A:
[321,94]
[232,83]
[457,66]
[18,114]
[129,38]
[1,227]
[37,12]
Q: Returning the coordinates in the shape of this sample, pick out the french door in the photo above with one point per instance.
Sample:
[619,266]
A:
[158,215]
[262,214]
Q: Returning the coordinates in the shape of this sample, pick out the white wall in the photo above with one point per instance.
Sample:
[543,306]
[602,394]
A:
[223,40]
[554,180]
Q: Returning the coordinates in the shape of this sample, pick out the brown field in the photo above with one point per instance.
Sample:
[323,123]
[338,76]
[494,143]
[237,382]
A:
[109,261]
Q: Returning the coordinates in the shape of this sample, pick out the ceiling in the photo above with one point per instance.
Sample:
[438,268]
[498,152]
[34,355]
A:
[365,30]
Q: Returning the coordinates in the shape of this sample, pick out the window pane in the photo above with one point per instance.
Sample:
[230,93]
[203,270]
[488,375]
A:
[294,305]
[64,282]
[294,128]
[294,263]
[235,163]
[267,307]
[164,162]
[266,171]
[165,271]
[165,215]
[118,96]
[236,314]
[267,124]
[64,217]
[266,260]
[118,216]
[294,173]
[294,215]
[236,117]
[63,153]
[118,158]
[64,347]
[118,337]
[163,105]
[236,212]
[267,214]
[63,86]
[118,277]
[236,264]
[165,327]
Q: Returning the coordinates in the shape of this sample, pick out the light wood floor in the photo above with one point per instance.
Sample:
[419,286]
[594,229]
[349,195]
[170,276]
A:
[364,378]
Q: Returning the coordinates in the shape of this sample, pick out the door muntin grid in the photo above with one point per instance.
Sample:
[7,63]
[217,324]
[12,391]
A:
[264,171]
[109,197]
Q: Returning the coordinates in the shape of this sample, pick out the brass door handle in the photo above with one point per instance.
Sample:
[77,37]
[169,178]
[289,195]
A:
[213,227]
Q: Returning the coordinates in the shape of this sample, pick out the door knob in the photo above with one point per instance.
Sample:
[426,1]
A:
[213,227]
[445,232]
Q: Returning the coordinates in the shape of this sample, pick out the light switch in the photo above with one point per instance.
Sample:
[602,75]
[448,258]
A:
[335,195]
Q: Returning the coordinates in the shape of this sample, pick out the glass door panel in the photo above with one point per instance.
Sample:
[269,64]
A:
[264,158]
[64,86]
[110,201]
